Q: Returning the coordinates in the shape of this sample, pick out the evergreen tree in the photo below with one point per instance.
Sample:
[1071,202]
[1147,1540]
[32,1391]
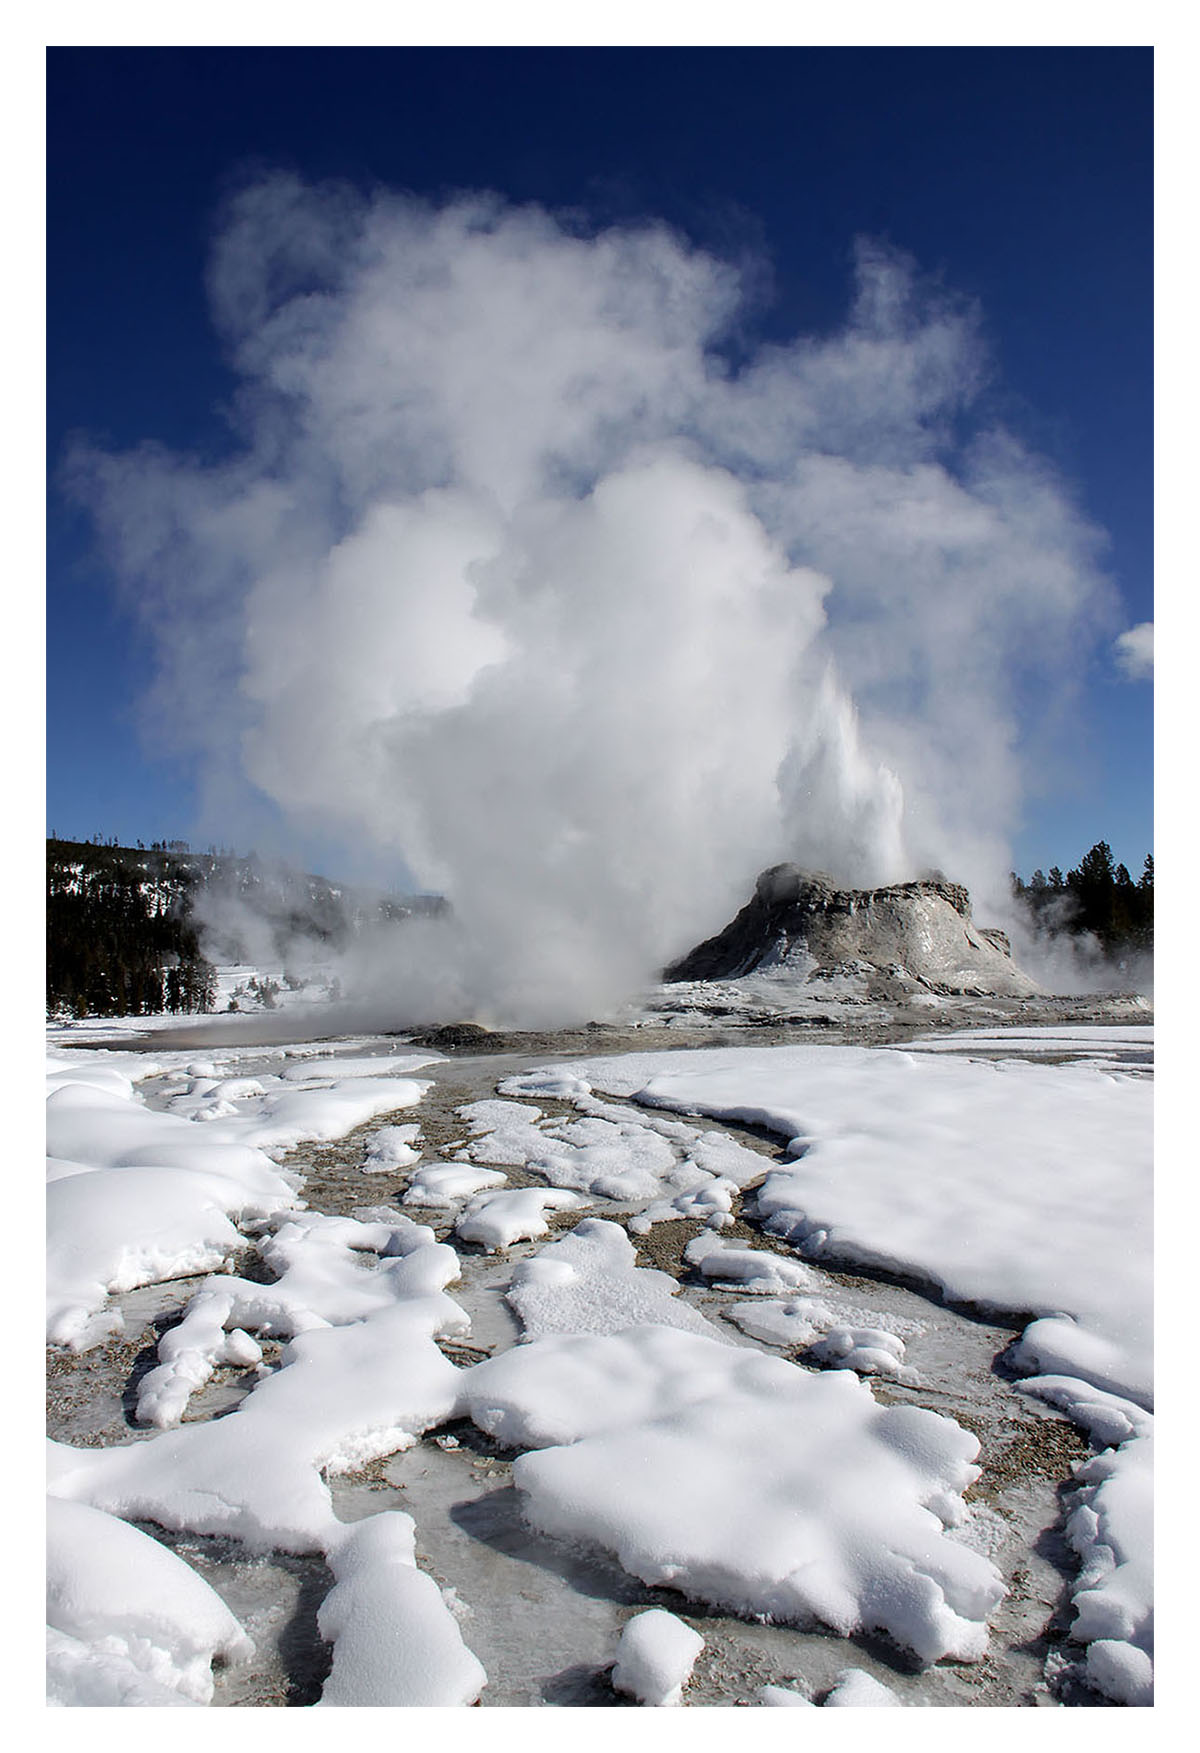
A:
[1098,897]
[120,938]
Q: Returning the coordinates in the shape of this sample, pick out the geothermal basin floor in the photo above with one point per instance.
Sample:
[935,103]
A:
[709,1220]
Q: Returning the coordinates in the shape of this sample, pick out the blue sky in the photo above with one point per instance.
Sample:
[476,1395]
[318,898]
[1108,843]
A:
[1021,178]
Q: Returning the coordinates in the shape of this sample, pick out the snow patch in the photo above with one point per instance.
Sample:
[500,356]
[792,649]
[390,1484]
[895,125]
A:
[497,1220]
[746,1482]
[588,1283]
[128,1612]
[395,1639]
[442,1186]
[655,1657]
[734,1267]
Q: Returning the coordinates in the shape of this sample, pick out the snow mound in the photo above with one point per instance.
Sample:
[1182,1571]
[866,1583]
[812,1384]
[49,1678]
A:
[796,1322]
[869,1351]
[133,1612]
[135,1197]
[395,1641]
[79,1673]
[588,1283]
[783,1696]
[282,1119]
[505,1134]
[746,1482]
[655,1657]
[1112,1530]
[325,1278]
[733,1267]
[112,1230]
[343,1396]
[858,1689]
[101,1129]
[392,1147]
[612,1158]
[497,1220]
[668,1168]
[442,1186]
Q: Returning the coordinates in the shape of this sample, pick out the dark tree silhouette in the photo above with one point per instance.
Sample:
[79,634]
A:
[1098,897]
[120,939]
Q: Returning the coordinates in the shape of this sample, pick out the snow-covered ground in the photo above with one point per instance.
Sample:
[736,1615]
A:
[744,1435]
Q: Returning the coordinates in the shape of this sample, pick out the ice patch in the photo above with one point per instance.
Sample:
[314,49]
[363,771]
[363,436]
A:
[316,1069]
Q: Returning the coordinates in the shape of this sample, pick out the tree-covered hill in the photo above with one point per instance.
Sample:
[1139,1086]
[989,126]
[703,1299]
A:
[131,930]
[120,937]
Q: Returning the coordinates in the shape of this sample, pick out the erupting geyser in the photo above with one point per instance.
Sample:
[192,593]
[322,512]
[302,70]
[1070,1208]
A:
[515,576]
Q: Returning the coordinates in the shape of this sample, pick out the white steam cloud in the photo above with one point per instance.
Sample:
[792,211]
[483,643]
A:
[517,577]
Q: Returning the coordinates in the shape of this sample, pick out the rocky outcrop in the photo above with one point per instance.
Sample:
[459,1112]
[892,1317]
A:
[917,934]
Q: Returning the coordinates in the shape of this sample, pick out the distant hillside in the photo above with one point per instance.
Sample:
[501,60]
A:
[136,931]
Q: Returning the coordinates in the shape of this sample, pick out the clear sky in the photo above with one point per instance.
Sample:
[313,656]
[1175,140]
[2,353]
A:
[1022,177]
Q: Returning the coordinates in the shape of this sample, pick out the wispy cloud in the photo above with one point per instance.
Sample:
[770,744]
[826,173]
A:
[1134,652]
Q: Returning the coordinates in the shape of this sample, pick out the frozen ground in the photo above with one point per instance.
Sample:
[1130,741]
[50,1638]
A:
[765,1375]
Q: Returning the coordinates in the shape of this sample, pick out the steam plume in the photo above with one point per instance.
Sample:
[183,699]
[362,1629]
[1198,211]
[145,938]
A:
[514,576]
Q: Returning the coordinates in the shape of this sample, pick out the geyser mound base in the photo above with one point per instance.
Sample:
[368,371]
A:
[907,937]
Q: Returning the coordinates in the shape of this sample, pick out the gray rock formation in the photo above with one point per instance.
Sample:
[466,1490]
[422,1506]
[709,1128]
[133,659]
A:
[917,934]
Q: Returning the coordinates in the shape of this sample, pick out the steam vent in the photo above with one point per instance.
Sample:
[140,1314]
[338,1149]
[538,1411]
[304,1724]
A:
[917,934]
